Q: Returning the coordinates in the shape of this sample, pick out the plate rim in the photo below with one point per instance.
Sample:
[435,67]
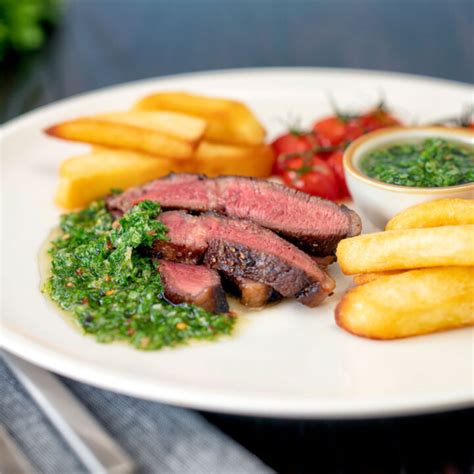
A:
[205,399]
[200,398]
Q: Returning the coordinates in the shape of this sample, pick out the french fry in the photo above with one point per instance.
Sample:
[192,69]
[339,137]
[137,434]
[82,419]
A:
[180,126]
[91,176]
[229,121]
[407,249]
[434,214]
[158,133]
[215,159]
[363,278]
[412,303]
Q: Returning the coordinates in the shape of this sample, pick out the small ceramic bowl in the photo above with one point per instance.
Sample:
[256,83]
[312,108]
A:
[379,201]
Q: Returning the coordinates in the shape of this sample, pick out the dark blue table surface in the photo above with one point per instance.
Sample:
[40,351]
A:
[104,42]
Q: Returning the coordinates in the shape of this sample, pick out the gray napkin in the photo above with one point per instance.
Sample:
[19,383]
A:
[160,439]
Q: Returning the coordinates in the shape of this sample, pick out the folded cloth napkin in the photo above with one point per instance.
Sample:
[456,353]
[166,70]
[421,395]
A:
[160,439]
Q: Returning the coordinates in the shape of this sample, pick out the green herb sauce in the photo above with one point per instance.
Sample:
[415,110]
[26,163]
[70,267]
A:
[102,273]
[431,164]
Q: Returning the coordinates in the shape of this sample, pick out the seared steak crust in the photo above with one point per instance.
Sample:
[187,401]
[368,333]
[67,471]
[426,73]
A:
[242,249]
[239,261]
[177,252]
[236,260]
[253,294]
[313,224]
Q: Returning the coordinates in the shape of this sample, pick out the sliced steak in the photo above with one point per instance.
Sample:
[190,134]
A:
[242,249]
[312,223]
[324,262]
[253,294]
[193,284]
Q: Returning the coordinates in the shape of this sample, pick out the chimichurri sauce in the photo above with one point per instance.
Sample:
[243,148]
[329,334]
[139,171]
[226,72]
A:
[431,164]
[102,273]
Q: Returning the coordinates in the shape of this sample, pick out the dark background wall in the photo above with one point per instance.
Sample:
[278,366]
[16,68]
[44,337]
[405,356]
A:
[104,42]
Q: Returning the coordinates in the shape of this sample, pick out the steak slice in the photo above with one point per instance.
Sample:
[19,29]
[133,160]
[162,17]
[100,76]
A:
[193,284]
[242,249]
[312,223]
[253,294]
[324,262]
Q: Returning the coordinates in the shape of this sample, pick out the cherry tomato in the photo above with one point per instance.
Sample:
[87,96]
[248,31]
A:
[353,130]
[335,162]
[330,131]
[377,118]
[312,162]
[311,175]
[334,131]
[290,143]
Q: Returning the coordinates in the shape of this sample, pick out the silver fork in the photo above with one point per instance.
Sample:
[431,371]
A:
[95,448]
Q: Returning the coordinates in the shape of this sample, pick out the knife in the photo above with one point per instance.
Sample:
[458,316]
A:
[95,448]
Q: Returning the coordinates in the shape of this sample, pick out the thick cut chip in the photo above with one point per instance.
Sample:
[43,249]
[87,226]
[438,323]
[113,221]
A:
[215,159]
[158,133]
[87,177]
[412,303]
[434,214]
[363,278]
[180,126]
[407,249]
[229,121]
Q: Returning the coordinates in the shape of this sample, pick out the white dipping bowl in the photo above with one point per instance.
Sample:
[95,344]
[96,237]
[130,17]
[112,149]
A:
[379,201]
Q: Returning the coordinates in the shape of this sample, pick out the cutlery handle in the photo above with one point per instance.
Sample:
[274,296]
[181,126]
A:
[92,444]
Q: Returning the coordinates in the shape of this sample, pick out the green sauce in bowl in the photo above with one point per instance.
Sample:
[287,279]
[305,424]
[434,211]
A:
[433,163]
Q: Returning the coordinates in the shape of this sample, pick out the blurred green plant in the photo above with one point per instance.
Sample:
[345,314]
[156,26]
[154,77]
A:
[24,24]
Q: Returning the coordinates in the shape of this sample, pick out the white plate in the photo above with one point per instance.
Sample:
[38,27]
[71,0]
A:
[287,360]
